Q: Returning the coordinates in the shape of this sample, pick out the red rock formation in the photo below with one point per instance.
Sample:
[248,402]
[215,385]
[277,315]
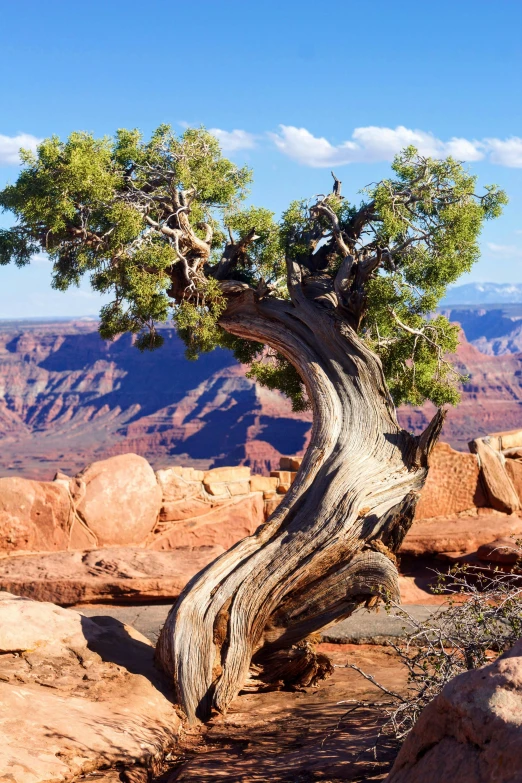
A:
[34,515]
[77,695]
[502,550]
[119,574]
[68,398]
[121,502]
[456,536]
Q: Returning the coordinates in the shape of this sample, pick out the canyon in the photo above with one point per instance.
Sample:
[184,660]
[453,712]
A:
[68,398]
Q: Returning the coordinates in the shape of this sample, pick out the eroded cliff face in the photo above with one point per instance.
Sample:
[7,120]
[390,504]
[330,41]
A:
[68,398]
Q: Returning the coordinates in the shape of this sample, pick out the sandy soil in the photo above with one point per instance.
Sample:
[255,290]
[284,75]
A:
[297,737]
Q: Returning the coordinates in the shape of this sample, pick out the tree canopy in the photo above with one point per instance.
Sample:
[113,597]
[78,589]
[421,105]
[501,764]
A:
[163,226]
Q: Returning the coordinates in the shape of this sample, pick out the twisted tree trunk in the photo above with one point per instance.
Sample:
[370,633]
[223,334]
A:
[329,545]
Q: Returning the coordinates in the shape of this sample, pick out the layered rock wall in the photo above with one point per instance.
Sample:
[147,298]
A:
[121,501]
[468,500]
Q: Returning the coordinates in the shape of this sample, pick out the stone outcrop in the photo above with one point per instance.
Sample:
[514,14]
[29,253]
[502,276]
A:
[216,524]
[503,550]
[471,732]
[216,507]
[68,397]
[498,486]
[77,695]
[470,499]
[122,502]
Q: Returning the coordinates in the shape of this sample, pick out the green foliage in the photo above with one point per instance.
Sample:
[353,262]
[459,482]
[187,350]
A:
[15,247]
[263,258]
[159,223]
[197,322]
[430,211]
[426,222]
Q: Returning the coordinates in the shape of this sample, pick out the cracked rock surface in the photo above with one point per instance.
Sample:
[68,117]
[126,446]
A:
[77,695]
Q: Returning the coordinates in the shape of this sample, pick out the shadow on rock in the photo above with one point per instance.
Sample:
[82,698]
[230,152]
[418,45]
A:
[121,644]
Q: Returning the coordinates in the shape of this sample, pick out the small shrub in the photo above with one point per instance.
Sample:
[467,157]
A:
[481,619]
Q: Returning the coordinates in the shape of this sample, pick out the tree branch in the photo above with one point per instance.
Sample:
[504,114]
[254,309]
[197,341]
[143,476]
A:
[234,252]
[343,275]
[324,209]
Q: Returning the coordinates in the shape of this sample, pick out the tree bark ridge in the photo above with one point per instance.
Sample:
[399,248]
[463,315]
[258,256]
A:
[359,469]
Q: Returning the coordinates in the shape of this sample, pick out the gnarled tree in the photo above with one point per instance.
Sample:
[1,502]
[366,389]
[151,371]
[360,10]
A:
[333,305]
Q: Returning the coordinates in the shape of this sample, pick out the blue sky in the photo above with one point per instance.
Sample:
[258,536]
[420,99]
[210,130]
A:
[292,88]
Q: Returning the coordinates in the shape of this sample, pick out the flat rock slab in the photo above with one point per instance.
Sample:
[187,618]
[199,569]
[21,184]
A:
[131,575]
[377,627]
[147,619]
[76,695]
[122,574]
[458,535]
[363,627]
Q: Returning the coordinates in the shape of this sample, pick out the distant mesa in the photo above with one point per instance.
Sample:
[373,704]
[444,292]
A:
[67,397]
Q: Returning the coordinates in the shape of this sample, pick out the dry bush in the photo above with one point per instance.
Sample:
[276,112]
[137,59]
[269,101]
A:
[481,619]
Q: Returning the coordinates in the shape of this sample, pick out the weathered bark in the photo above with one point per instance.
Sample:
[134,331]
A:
[329,546]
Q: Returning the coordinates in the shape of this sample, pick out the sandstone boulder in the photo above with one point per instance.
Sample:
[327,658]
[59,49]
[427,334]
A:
[290,463]
[264,483]
[286,478]
[271,502]
[76,695]
[119,499]
[453,484]
[183,494]
[118,574]
[219,475]
[471,732]
[459,535]
[34,515]
[503,550]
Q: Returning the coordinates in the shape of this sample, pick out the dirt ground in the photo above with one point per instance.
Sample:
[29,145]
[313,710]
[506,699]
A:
[296,737]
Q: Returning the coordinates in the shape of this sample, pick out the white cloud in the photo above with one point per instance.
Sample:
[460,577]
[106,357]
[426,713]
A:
[41,259]
[373,144]
[234,140]
[507,251]
[10,147]
[463,149]
[507,152]
[368,145]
